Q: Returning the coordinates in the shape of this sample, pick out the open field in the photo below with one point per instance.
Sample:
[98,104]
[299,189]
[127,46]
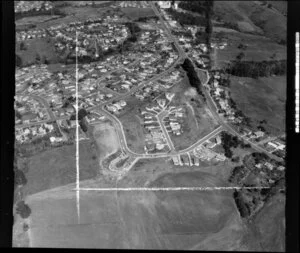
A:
[262,99]
[106,138]
[35,47]
[271,234]
[137,220]
[135,13]
[146,171]
[57,167]
[258,48]
[35,20]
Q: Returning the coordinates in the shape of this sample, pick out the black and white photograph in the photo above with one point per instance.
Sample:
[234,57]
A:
[155,125]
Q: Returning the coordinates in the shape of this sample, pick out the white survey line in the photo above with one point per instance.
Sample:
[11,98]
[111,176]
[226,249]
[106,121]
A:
[77,139]
[209,188]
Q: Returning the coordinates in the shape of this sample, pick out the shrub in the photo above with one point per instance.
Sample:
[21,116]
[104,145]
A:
[23,209]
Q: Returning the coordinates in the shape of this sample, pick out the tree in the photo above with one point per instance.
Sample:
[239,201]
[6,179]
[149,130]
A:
[235,159]
[20,178]
[19,62]
[23,209]
[240,56]
[37,58]
[23,46]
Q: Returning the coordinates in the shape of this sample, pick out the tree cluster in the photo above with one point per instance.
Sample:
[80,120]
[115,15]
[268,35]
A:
[257,69]
[259,157]
[237,174]
[194,80]
[242,206]
[229,141]
[185,18]
[23,209]
[194,6]
[134,29]
[20,178]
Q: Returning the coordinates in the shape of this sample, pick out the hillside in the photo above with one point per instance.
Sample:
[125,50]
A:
[253,17]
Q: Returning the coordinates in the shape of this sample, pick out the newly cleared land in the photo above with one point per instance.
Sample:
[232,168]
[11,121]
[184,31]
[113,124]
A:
[197,122]
[262,99]
[132,123]
[57,167]
[106,138]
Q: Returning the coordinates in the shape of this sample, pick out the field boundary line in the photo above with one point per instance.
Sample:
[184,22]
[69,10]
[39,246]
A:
[199,188]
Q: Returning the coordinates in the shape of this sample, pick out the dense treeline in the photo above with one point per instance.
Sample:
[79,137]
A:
[185,18]
[257,69]
[134,29]
[194,80]
[237,174]
[194,6]
[146,19]
[243,207]
[276,187]
[229,141]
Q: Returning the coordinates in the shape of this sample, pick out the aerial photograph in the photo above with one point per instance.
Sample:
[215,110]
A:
[153,125]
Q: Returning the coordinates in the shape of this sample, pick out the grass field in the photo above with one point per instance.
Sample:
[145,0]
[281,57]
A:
[135,13]
[251,16]
[34,47]
[262,99]
[136,220]
[270,234]
[35,20]
[57,167]
[258,48]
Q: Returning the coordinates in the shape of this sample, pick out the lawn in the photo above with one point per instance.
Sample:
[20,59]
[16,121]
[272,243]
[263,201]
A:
[260,99]
[57,167]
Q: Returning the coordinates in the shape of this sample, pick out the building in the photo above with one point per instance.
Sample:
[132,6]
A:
[273,145]
[269,166]
[164,4]
[259,134]
[175,160]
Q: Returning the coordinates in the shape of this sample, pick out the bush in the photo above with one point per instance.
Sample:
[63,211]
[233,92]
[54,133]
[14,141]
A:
[20,178]
[23,209]
[18,61]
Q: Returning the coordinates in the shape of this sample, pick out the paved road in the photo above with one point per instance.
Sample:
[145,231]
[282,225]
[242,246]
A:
[160,117]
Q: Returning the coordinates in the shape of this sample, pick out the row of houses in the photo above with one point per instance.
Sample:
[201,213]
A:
[27,6]
[27,134]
